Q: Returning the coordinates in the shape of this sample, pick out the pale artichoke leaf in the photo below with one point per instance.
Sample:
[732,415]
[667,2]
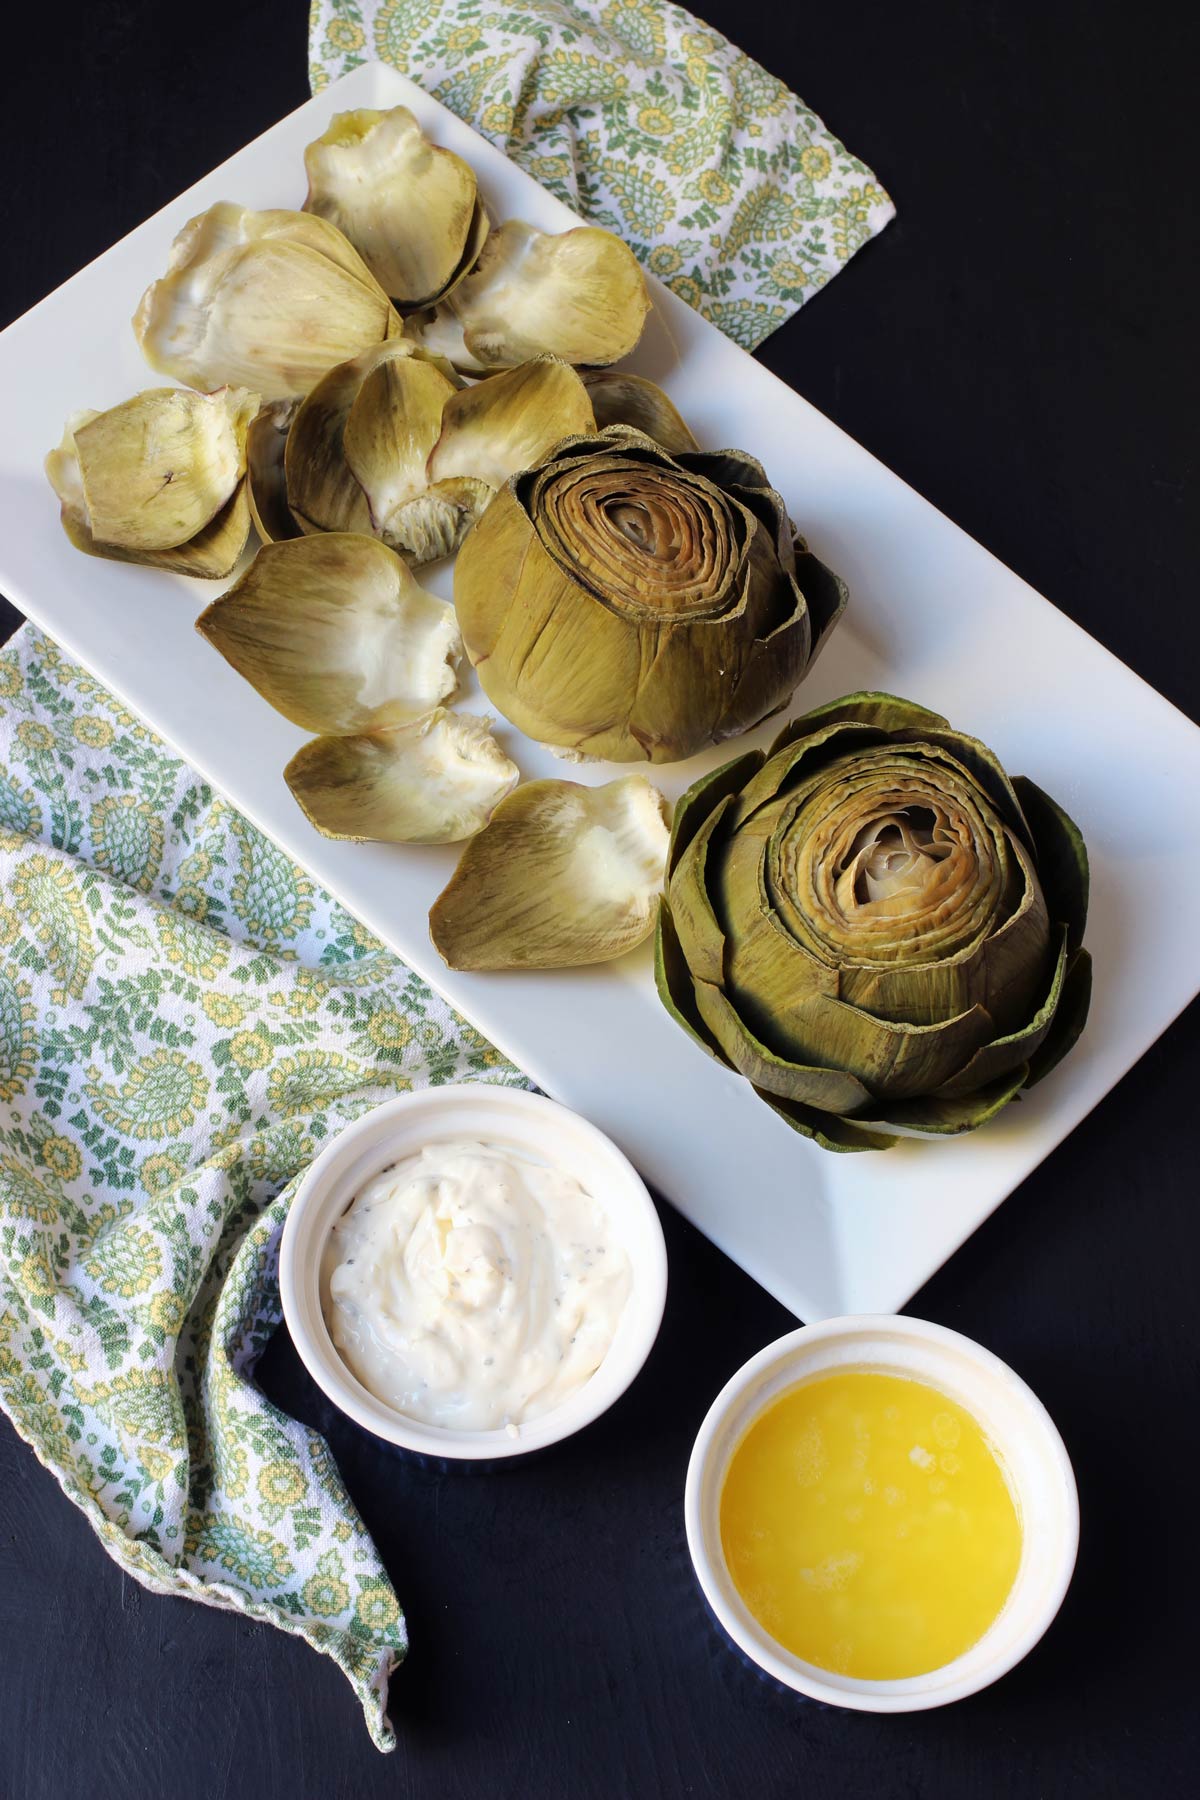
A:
[562,876]
[268,301]
[435,781]
[156,469]
[435,523]
[408,206]
[579,295]
[510,422]
[323,491]
[392,425]
[335,633]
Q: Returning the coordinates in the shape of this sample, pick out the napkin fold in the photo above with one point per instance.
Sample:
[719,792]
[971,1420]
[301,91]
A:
[185,1017]
[644,120]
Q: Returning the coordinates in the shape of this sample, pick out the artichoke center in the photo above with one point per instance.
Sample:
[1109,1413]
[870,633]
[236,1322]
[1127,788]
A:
[892,856]
[647,542]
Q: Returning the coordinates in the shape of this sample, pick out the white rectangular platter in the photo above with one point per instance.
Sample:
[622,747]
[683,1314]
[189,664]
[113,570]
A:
[933,616]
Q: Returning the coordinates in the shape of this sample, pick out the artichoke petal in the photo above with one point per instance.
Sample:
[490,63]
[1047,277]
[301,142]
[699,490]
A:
[621,398]
[323,491]
[264,300]
[1069,1021]
[436,522]
[158,468]
[674,983]
[562,876]
[393,423]
[826,1129]
[942,1115]
[410,208]
[831,1090]
[334,632]
[266,479]
[579,295]
[1003,1054]
[209,556]
[706,794]
[435,781]
[1062,857]
[510,422]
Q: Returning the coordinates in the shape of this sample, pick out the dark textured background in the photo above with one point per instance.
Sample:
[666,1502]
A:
[1021,347]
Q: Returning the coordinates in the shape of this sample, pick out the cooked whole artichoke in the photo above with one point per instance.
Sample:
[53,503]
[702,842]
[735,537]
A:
[875,926]
[632,605]
[410,209]
[265,300]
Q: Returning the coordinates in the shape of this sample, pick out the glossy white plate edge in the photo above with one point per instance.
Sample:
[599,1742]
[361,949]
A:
[933,615]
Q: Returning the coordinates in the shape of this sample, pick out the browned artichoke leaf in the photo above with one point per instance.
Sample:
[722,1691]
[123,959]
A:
[562,876]
[826,1129]
[266,481]
[704,795]
[334,632]
[621,398]
[1069,1019]
[676,990]
[1062,857]
[435,781]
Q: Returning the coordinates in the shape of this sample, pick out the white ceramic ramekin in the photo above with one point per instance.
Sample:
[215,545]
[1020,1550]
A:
[1021,1431]
[531,1123]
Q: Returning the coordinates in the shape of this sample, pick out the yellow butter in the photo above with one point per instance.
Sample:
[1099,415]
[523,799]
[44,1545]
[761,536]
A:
[868,1525]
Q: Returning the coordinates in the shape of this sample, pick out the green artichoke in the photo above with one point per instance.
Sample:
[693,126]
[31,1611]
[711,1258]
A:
[631,604]
[875,926]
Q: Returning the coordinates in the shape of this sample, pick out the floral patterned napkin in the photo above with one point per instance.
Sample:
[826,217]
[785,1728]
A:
[646,121]
[184,1018]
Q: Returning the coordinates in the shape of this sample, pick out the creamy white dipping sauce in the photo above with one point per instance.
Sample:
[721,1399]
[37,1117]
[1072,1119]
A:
[472,1286]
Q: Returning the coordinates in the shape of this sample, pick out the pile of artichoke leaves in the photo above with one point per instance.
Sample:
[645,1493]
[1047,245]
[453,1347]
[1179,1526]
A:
[871,923]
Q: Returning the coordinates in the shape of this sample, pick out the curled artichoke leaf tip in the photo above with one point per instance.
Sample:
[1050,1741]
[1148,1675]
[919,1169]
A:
[875,926]
[410,208]
[335,633]
[630,604]
[264,300]
[561,876]
[158,480]
[579,295]
[435,781]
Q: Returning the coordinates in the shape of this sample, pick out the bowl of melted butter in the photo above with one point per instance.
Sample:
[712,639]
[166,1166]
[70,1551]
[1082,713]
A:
[881,1514]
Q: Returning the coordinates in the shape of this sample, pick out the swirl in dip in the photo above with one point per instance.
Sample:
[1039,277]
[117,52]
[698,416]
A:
[472,1286]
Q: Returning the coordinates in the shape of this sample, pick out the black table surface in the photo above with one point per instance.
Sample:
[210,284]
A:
[1020,346]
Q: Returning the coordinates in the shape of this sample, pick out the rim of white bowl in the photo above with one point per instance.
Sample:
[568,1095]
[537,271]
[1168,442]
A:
[714,1445]
[494,1113]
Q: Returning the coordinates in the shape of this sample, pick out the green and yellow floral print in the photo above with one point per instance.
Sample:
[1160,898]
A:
[184,1019]
[643,120]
